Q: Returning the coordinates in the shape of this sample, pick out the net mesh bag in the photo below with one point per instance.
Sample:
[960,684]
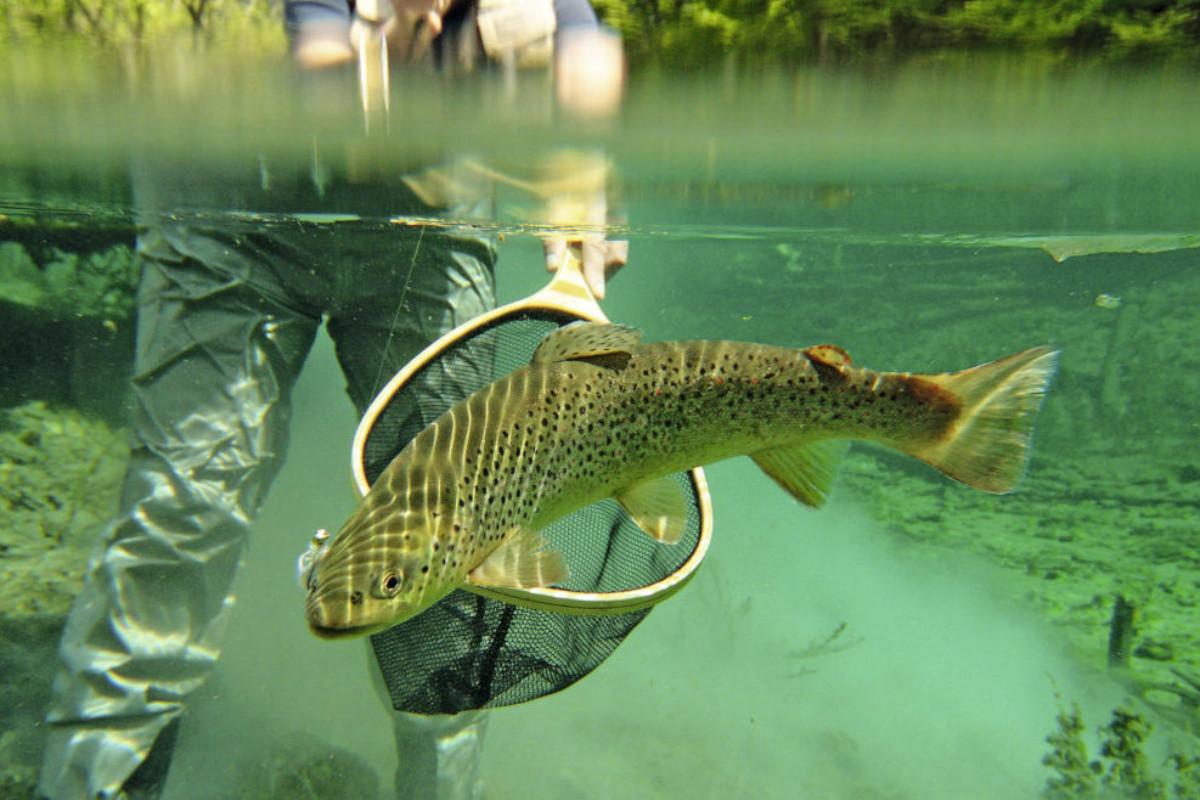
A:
[469,652]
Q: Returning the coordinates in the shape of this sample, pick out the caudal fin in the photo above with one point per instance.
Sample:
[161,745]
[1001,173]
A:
[988,445]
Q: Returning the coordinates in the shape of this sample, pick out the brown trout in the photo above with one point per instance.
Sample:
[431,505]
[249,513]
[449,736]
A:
[595,414]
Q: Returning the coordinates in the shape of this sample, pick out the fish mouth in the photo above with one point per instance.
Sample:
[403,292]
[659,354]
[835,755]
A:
[323,632]
[327,622]
[326,625]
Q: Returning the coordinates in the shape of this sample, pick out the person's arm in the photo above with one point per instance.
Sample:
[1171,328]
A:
[589,80]
[324,33]
[589,72]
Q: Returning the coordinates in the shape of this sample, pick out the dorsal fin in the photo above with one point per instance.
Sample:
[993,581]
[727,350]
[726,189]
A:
[829,354]
[583,341]
[829,361]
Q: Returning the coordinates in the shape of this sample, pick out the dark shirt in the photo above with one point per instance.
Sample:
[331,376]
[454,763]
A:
[336,15]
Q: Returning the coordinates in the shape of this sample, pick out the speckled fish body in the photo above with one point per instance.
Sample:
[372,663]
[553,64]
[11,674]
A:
[597,414]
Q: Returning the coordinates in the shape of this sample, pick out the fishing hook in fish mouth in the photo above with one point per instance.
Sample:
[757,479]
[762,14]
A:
[309,558]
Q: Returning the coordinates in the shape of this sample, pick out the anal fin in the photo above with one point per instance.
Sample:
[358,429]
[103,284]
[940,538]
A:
[805,471]
[658,507]
[523,562]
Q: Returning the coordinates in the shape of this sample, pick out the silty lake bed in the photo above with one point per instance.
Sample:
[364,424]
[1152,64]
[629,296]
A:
[915,639]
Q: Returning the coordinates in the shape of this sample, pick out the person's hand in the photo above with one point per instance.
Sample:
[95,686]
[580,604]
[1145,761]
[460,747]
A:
[589,73]
[599,257]
[574,187]
[414,26]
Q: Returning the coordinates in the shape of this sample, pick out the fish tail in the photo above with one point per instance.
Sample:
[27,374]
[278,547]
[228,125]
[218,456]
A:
[988,445]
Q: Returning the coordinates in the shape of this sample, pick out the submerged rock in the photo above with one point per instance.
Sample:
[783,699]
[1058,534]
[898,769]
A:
[302,767]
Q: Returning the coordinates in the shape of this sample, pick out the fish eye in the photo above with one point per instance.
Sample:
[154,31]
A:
[389,583]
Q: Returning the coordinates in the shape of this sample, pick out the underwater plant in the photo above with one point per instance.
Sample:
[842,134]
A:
[1123,770]
[833,643]
[1187,774]
[1073,776]
[1128,771]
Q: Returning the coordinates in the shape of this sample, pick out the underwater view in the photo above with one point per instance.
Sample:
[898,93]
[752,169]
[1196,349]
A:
[913,639]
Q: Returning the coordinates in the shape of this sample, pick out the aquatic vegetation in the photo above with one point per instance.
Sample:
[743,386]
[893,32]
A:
[1123,770]
[14,787]
[64,284]
[1073,776]
[1127,764]
[1187,771]
[832,643]
[60,474]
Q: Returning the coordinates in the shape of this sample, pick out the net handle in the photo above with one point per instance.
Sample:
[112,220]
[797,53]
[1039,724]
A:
[567,293]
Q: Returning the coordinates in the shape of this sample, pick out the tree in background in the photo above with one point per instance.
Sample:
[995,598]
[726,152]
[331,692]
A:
[117,22]
[697,32]
[678,33]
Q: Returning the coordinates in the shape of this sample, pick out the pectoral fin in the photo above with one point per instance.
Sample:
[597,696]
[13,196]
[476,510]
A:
[806,472]
[658,507]
[600,342]
[523,562]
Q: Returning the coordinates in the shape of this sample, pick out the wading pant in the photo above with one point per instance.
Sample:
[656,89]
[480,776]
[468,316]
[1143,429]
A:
[226,316]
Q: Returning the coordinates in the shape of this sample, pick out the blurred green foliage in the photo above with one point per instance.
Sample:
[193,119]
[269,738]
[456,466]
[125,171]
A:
[708,32]
[700,32]
[108,23]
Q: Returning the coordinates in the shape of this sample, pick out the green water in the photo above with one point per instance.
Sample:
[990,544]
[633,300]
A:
[927,217]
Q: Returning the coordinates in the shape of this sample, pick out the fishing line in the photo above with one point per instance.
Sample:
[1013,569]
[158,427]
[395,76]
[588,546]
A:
[383,357]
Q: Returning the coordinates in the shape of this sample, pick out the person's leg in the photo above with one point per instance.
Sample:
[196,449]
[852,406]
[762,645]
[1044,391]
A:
[406,291]
[216,361]
[439,755]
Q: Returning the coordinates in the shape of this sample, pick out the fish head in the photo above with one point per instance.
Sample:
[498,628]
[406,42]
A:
[370,576]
